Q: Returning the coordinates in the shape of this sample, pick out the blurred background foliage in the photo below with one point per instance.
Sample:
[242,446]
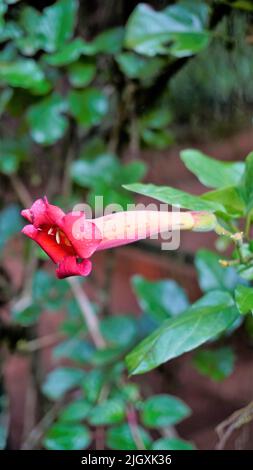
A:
[84,87]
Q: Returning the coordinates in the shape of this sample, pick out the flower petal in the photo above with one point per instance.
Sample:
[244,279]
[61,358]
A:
[69,266]
[42,213]
[83,234]
[46,242]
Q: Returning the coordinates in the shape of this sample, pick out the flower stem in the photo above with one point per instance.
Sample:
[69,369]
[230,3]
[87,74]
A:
[88,314]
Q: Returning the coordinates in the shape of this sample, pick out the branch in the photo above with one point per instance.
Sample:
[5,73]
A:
[88,314]
[21,191]
[238,419]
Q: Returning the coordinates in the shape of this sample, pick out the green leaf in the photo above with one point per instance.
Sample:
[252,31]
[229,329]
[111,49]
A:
[244,299]
[75,349]
[46,121]
[108,42]
[120,438]
[217,364]
[63,436]
[175,197]
[92,385]
[211,274]
[160,299]
[68,53]
[183,333]
[24,73]
[10,223]
[166,443]
[61,380]
[247,182]
[26,316]
[57,23]
[142,68]
[119,330]
[76,411]
[160,138]
[211,172]
[111,411]
[82,73]
[230,198]
[148,32]
[163,410]
[88,106]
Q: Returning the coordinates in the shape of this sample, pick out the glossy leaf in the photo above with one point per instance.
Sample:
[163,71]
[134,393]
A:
[121,438]
[160,299]
[63,436]
[46,120]
[231,199]
[92,384]
[244,299]
[67,54]
[211,172]
[24,73]
[61,380]
[149,32]
[160,411]
[217,364]
[198,324]
[111,411]
[142,68]
[75,411]
[174,197]
[166,443]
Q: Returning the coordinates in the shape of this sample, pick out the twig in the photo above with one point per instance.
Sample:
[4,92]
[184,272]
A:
[21,191]
[88,314]
[39,343]
[36,434]
[238,419]
[133,425]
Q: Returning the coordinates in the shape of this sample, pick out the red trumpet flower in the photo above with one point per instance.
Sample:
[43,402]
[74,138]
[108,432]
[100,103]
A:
[70,239]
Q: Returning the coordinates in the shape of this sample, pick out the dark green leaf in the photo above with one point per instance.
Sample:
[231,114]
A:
[217,364]
[5,96]
[230,198]
[160,138]
[61,380]
[111,411]
[121,438]
[211,172]
[166,443]
[46,120]
[182,333]
[108,42]
[163,410]
[211,274]
[175,197]
[93,383]
[244,299]
[63,436]
[88,106]
[81,73]
[75,349]
[48,291]
[77,410]
[142,68]
[160,299]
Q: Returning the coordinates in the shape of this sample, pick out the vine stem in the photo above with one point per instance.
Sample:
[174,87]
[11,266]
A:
[133,425]
[21,191]
[88,314]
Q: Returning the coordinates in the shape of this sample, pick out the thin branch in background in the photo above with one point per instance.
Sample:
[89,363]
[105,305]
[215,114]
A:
[238,419]
[88,314]
[133,425]
[34,438]
[21,191]
[39,343]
